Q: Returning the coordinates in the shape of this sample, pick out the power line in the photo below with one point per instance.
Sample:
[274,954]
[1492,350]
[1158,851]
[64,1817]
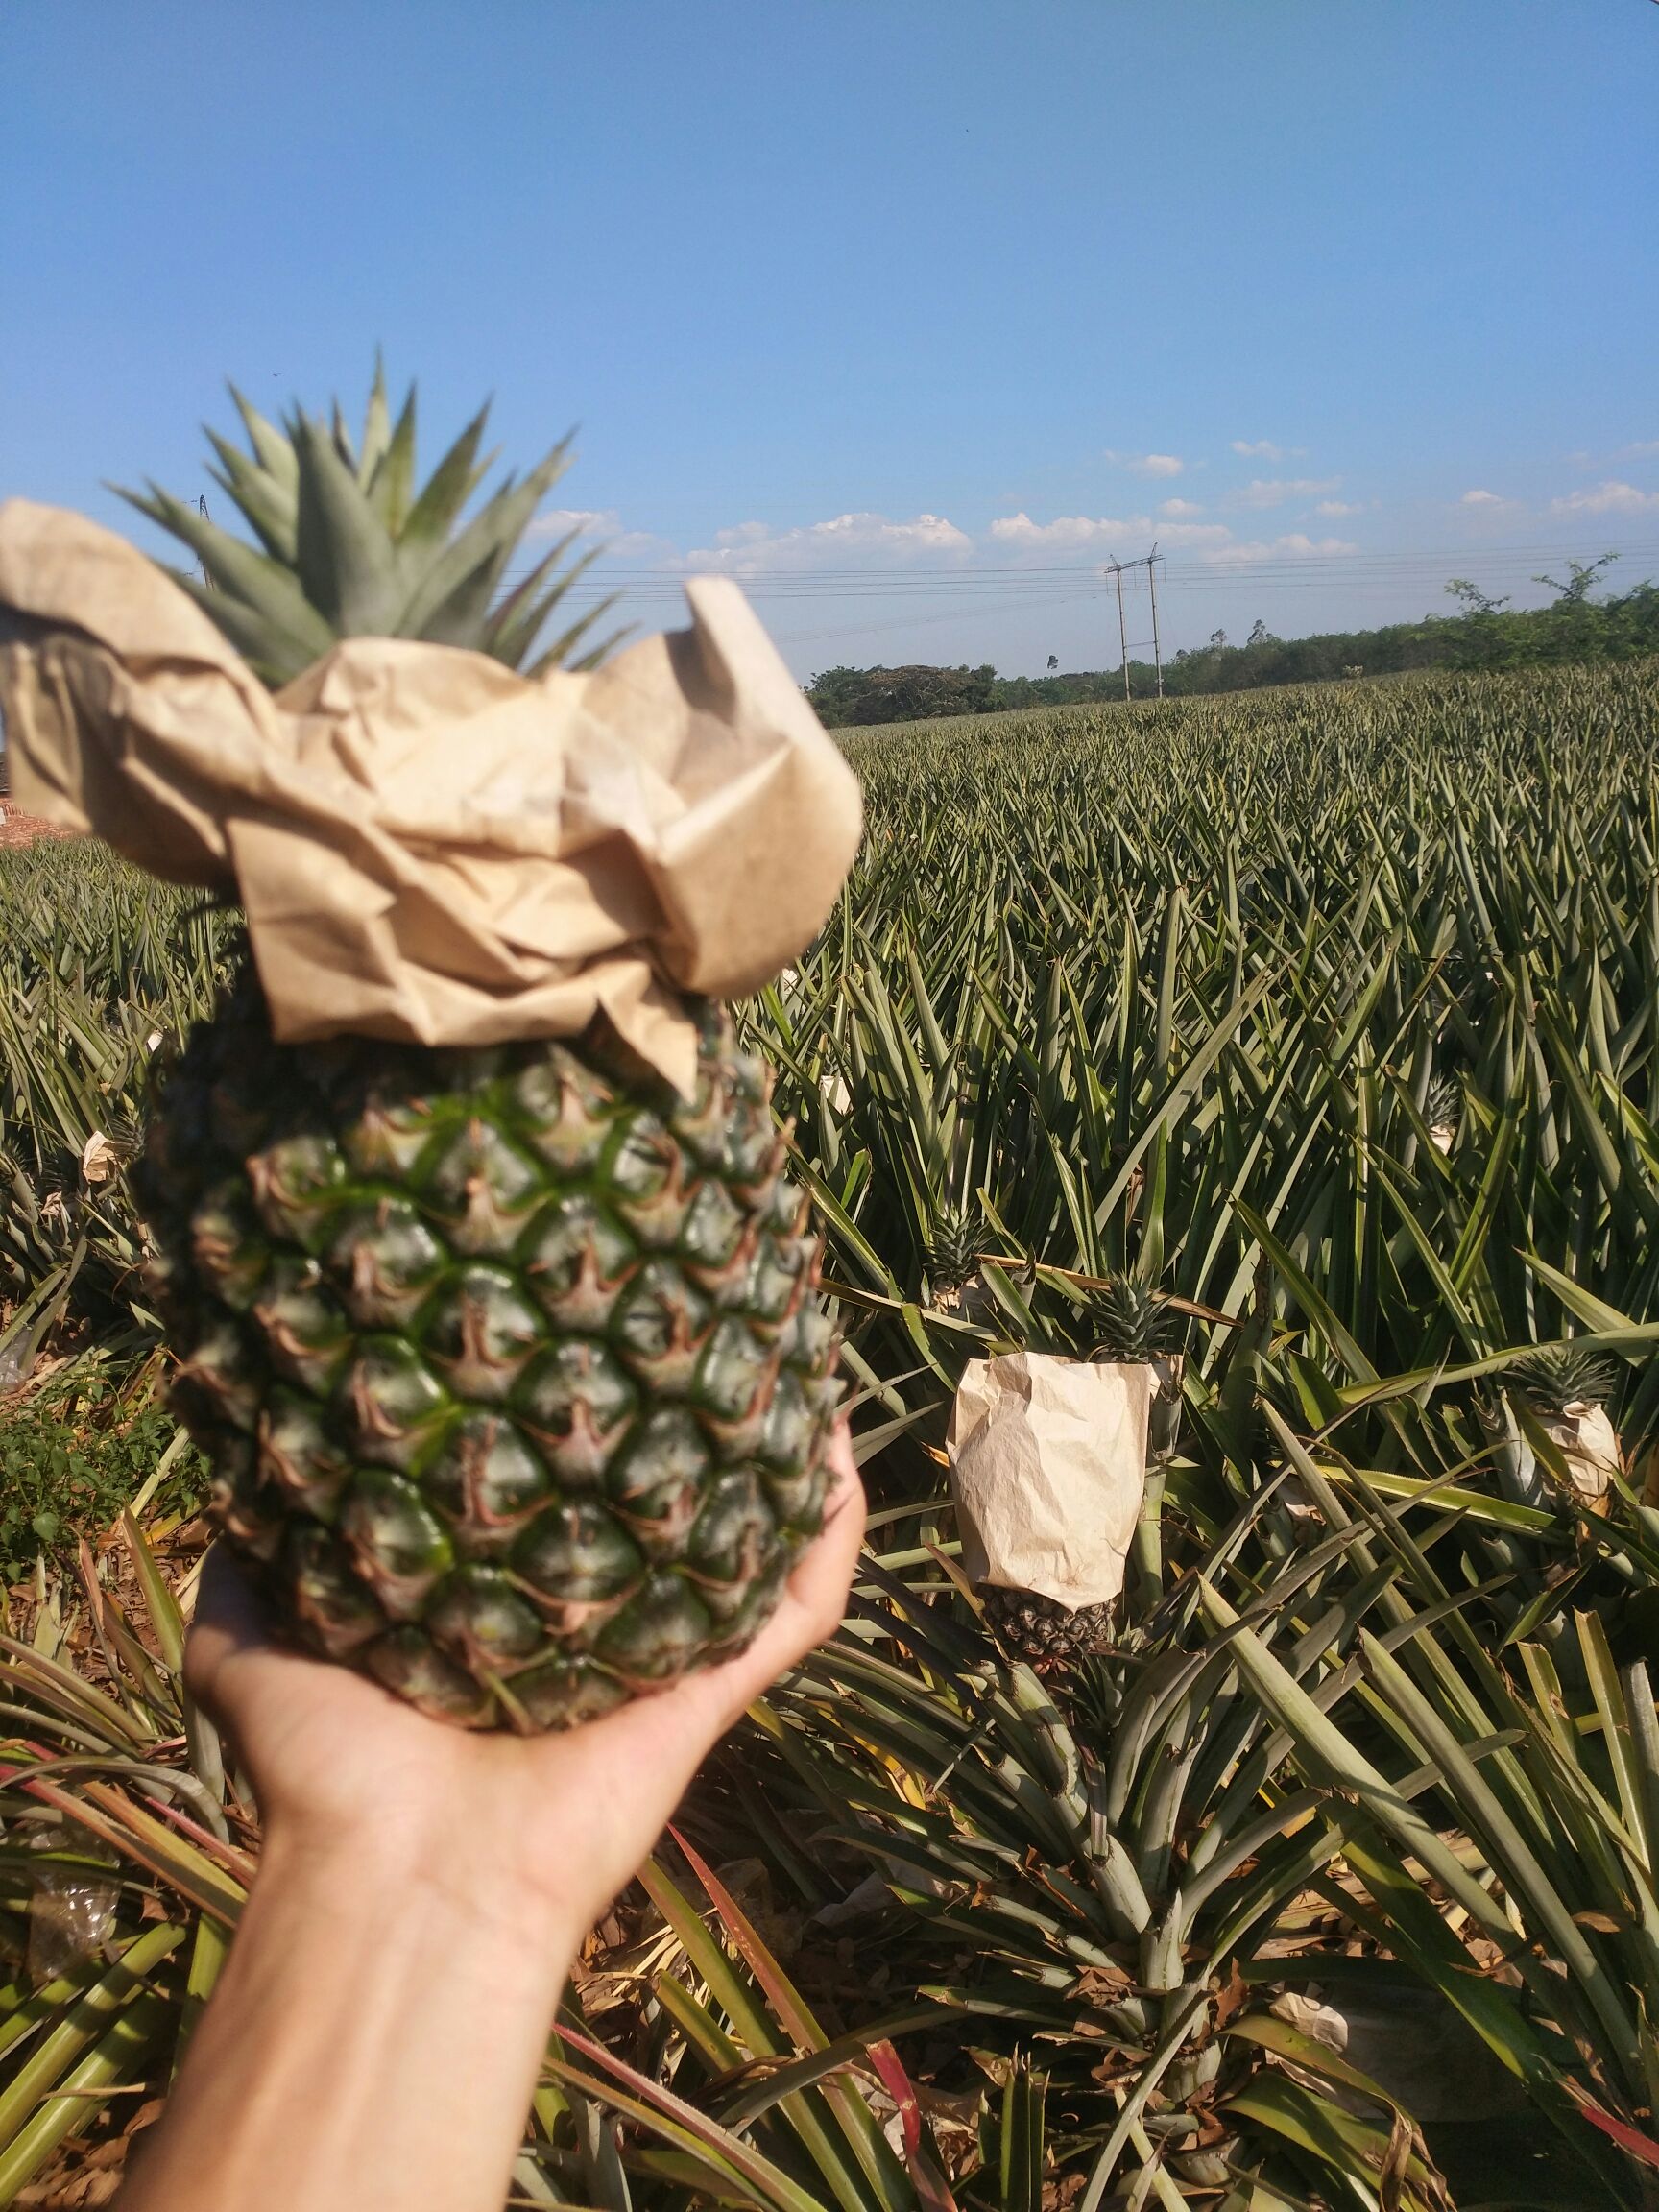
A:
[934,594]
[1205,574]
[912,621]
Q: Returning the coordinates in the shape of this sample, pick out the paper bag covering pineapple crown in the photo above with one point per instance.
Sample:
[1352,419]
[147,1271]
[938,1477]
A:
[511,1363]
[429,845]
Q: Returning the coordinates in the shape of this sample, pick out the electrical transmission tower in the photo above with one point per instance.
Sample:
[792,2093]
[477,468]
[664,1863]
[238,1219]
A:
[1116,570]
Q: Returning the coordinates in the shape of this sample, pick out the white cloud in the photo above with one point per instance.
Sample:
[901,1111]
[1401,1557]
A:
[1177,508]
[1640,449]
[1106,532]
[1147,464]
[1295,545]
[1275,490]
[554,521]
[1492,506]
[1337,507]
[601,523]
[1609,499]
[1065,530]
[754,548]
[1261,449]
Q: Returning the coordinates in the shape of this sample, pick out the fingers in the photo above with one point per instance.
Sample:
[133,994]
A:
[813,1602]
[228,1618]
[687,1719]
[232,1660]
[816,1598]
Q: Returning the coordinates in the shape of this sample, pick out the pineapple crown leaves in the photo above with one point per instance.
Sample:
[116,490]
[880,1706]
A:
[952,1252]
[1557,1376]
[1134,1323]
[346,546]
[1444,1103]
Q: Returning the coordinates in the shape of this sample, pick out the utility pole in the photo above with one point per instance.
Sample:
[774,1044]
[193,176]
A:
[1117,570]
[1116,573]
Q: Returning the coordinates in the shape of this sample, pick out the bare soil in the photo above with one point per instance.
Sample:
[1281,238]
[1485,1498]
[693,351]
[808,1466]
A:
[19,829]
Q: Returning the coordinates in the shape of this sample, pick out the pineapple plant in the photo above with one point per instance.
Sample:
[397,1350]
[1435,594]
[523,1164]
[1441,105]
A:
[510,1362]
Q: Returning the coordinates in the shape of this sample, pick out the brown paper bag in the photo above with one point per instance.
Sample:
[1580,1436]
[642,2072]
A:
[429,845]
[1589,1443]
[1049,1464]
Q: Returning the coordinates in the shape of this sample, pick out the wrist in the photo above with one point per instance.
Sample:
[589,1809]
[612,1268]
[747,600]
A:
[377,2033]
[447,1873]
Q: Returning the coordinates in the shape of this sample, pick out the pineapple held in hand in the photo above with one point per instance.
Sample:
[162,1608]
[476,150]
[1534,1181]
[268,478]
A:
[507,1351]
[509,1361]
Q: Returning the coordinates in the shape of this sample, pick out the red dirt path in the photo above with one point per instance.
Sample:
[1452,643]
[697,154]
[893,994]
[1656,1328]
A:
[19,829]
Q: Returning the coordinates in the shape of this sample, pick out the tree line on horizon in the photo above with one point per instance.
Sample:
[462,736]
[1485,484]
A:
[1575,626]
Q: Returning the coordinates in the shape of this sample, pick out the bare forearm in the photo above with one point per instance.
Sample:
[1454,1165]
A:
[373,2040]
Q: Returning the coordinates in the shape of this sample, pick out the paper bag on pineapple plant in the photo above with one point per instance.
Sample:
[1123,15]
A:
[1589,1445]
[1048,1464]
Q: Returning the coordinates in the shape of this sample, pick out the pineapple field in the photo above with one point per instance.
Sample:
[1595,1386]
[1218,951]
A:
[1303,1046]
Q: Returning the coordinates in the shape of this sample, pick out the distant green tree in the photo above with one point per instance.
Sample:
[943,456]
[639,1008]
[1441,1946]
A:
[1581,575]
[846,696]
[1473,599]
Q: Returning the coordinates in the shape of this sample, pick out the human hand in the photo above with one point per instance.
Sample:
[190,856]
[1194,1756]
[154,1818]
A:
[379,2025]
[541,1830]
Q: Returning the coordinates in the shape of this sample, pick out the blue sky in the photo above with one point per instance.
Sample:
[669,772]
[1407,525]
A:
[908,312]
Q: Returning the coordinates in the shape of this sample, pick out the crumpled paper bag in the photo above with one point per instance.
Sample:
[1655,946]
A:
[427,845]
[1589,1443]
[1049,1464]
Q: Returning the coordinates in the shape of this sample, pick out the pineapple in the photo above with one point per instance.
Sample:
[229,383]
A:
[510,1361]
[952,1264]
[1136,1329]
[952,1257]
[1443,1112]
[1050,1637]
[1568,1389]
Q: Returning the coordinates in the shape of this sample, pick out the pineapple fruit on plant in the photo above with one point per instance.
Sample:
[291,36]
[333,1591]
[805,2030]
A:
[1567,1388]
[508,1357]
[1134,1327]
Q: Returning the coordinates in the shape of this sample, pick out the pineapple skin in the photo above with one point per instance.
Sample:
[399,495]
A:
[509,1364]
[1047,1635]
